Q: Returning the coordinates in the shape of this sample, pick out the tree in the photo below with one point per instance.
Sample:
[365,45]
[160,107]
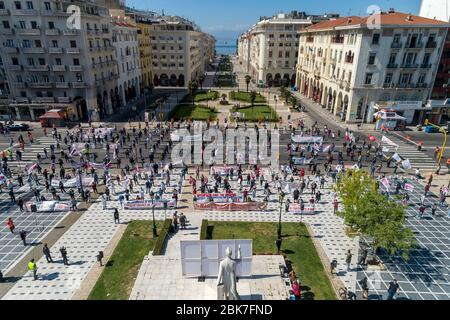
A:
[287,95]
[294,101]
[247,80]
[193,88]
[252,98]
[283,91]
[372,214]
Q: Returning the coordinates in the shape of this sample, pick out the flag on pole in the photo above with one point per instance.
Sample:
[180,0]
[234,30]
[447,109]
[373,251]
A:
[389,142]
[409,187]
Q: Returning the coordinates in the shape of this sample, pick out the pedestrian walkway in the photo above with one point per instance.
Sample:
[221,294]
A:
[30,152]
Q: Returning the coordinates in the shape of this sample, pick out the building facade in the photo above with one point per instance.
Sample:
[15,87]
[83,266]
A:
[269,50]
[179,51]
[57,54]
[126,52]
[352,67]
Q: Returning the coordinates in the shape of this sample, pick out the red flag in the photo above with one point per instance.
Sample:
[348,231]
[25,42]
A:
[372,138]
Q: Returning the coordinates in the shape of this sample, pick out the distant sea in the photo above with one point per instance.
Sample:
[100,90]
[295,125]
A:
[226,46]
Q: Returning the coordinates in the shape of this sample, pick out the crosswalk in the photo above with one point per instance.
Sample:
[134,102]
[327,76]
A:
[418,159]
[29,155]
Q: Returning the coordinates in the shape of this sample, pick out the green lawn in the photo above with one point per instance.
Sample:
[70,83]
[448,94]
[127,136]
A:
[258,112]
[245,97]
[297,247]
[118,277]
[197,112]
[202,96]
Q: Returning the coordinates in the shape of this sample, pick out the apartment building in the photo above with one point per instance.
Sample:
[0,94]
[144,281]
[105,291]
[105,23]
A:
[353,67]
[181,51]
[269,50]
[54,59]
[126,52]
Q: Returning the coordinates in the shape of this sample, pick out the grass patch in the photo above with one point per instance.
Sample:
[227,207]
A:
[197,112]
[258,113]
[120,272]
[201,96]
[245,97]
[297,247]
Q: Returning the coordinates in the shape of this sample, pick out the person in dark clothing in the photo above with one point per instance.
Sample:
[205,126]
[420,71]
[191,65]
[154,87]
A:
[23,236]
[365,288]
[392,290]
[1,277]
[116,216]
[20,204]
[64,255]
[47,254]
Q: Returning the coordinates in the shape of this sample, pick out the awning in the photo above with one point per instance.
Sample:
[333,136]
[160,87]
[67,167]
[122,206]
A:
[52,114]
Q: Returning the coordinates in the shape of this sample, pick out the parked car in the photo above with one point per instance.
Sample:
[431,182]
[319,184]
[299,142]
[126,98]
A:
[19,127]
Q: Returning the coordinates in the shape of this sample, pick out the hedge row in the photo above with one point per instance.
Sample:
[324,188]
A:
[204,230]
[159,245]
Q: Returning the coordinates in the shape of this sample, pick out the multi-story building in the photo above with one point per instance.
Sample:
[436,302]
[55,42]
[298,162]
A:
[269,50]
[125,42]
[440,112]
[179,50]
[55,59]
[354,65]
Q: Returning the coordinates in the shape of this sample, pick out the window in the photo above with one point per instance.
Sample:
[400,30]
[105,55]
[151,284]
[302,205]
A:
[376,38]
[2,5]
[79,77]
[421,79]
[45,78]
[61,78]
[55,43]
[388,78]
[34,25]
[396,39]
[405,78]
[26,44]
[270,54]
[5,24]
[280,54]
[73,44]
[30,61]
[48,6]
[42,61]
[58,61]
[15,61]
[19,78]
[22,25]
[18,5]
[368,79]
[426,59]
[51,25]
[287,54]
[38,43]
[392,58]
[76,62]
[30,5]
[372,59]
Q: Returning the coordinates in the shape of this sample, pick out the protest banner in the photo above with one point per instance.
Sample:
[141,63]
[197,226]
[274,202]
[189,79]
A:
[295,208]
[233,206]
[148,204]
[306,139]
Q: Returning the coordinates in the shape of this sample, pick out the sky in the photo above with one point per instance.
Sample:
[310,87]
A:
[227,19]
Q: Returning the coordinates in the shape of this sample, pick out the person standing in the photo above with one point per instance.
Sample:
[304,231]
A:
[47,254]
[20,204]
[10,225]
[348,259]
[335,206]
[364,288]
[64,255]
[116,216]
[23,236]
[32,266]
[393,289]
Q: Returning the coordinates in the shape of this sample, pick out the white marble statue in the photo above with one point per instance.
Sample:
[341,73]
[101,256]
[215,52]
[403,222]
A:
[227,277]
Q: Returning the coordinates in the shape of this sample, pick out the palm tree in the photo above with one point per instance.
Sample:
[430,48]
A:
[247,80]
[193,87]
[283,91]
[253,98]
[294,101]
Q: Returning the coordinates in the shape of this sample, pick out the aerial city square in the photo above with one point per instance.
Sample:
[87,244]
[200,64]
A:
[179,150]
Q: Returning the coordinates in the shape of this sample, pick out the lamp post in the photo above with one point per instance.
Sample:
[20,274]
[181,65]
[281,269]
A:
[281,198]
[152,196]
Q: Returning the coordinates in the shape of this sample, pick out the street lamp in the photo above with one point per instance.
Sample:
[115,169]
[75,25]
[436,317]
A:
[281,198]
[152,196]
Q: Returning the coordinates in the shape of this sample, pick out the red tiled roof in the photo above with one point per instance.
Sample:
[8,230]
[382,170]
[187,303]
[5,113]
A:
[123,24]
[387,18]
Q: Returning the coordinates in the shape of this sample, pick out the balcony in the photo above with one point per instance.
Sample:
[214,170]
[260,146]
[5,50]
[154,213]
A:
[4,12]
[19,85]
[7,31]
[40,85]
[62,85]
[78,85]
[52,32]
[37,68]
[44,99]
[405,85]
[92,32]
[410,65]
[73,51]
[58,68]
[396,45]
[422,85]
[417,45]
[392,66]
[11,49]
[95,49]
[28,32]
[425,66]
[108,48]
[14,67]
[33,50]
[71,32]
[388,85]
[431,45]
[26,12]
[22,100]
[55,50]
[64,99]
